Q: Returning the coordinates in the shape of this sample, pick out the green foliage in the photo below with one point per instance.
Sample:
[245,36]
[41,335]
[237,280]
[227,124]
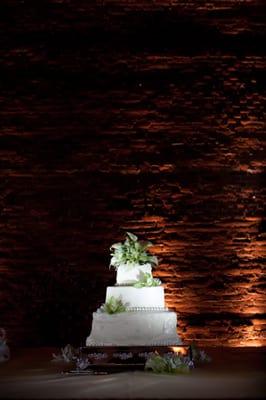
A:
[146,280]
[114,306]
[131,252]
[167,364]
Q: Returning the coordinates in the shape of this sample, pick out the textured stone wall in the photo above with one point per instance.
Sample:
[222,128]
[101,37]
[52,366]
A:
[145,116]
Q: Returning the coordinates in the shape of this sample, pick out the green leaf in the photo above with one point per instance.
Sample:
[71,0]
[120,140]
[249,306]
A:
[145,245]
[146,280]
[116,246]
[133,237]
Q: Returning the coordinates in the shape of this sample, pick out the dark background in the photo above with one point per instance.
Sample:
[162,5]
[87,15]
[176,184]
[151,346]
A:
[141,116]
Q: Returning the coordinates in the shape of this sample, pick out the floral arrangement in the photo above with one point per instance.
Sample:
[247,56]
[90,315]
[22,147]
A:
[146,280]
[114,306]
[168,364]
[131,252]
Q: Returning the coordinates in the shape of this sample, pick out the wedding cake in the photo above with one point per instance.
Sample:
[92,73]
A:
[134,312]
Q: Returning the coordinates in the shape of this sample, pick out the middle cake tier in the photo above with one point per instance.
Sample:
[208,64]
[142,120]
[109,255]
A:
[148,297]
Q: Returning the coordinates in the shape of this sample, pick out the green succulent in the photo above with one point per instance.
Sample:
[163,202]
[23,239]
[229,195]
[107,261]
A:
[166,364]
[147,280]
[114,306]
[131,252]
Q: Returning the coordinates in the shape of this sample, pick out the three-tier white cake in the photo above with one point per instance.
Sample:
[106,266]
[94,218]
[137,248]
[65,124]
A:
[145,320]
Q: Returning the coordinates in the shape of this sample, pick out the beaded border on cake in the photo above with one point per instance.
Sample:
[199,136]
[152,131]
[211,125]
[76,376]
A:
[173,342]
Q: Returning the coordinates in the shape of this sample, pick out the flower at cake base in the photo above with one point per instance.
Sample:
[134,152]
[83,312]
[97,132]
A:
[198,355]
[68,354]
[113,306]
[131,253]
[146,280]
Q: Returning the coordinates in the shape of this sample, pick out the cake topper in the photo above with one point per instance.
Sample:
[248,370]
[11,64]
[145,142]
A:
[131,252]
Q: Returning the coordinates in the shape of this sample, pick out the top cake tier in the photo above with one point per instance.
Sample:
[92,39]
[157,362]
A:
[129,275]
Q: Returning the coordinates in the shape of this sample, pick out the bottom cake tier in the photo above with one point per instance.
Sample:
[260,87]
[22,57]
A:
[135,328]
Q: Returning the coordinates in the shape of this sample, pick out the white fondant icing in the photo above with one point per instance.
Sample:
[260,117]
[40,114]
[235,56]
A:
[138,297]
[130,275]
[134,329]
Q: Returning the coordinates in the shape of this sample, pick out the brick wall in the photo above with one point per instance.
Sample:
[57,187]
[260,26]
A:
[141,116]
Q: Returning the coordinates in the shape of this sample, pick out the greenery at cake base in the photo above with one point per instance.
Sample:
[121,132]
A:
[131,253]
[175,363]
[147,280]
[168,364]
[114,306]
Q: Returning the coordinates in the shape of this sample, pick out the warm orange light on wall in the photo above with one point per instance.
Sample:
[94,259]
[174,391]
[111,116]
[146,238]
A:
[179,350]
